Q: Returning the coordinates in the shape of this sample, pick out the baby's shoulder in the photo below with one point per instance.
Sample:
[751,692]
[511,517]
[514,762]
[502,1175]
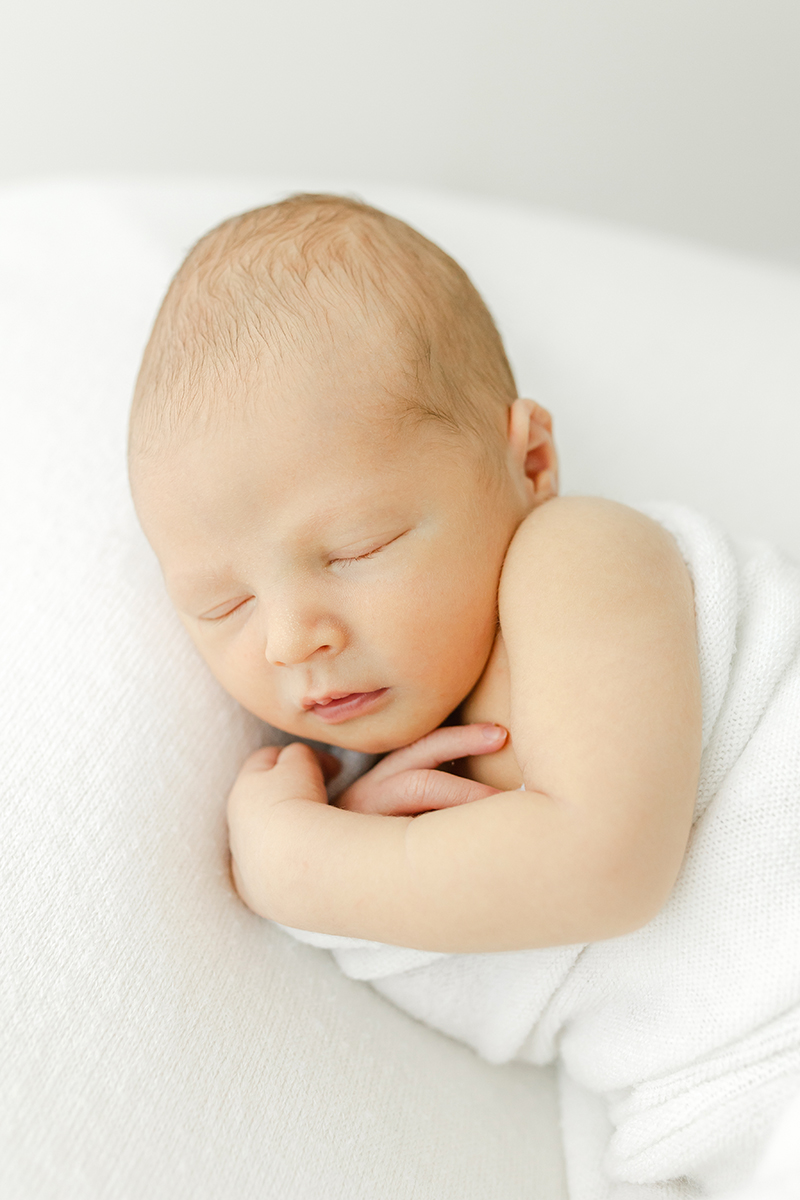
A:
[595,550]
[590,521]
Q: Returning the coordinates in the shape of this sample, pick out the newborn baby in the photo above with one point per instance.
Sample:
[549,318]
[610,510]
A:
[358,522]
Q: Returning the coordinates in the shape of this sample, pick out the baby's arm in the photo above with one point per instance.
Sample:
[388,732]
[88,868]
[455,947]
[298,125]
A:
[597,615]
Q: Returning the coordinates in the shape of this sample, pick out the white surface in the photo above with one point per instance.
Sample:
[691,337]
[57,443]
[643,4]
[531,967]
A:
[778,1174]
[159,1040]
[681,115]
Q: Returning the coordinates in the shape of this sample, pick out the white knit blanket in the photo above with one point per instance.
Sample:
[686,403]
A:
[687,1032]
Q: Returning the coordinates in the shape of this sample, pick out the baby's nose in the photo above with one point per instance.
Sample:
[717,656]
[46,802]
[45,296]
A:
[292,640]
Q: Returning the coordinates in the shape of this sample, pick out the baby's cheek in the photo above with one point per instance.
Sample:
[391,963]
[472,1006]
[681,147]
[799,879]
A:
[243,671]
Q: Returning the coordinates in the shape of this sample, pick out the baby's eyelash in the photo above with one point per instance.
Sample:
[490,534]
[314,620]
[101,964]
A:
[229,613]
[370,553]
[359,557]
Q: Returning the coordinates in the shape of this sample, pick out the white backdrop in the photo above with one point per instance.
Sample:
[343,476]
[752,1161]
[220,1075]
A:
[682,115]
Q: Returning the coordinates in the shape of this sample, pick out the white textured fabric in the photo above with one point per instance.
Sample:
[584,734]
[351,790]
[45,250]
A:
[777,1176]
[689,1027]
[157,1040]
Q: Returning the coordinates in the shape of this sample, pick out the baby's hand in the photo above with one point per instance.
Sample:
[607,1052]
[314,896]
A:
[268,777]
[406,782]
[402,784]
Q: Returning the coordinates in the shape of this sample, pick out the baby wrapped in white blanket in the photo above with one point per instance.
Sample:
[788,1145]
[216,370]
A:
[690,1026]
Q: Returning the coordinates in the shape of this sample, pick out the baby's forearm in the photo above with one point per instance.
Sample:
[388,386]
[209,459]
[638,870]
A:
[511,871]
[321,868]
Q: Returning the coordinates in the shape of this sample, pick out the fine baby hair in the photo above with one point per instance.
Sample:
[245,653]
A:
[267,282]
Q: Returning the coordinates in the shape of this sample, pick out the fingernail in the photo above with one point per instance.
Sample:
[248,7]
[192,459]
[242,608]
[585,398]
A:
[494,733]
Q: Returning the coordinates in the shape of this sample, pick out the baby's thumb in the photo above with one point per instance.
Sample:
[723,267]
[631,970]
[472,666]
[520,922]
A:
[304,766]
[299,755]
[263,759]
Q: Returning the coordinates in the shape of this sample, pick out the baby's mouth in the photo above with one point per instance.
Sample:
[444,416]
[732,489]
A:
[334,709]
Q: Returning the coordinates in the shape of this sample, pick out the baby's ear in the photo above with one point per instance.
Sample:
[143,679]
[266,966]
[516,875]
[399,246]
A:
[530,435]
[542,416]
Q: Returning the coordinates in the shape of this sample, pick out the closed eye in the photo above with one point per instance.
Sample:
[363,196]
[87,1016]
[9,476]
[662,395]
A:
[215,615]
[370,553]
[359,557]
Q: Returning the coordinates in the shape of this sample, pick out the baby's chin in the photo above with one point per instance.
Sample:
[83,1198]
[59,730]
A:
[367,744]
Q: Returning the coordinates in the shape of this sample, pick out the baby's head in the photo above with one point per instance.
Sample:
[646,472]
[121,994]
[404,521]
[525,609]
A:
[329,458]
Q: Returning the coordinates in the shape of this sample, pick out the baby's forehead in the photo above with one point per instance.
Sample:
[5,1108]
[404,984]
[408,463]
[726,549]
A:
[327,370]
[326,415]
[283,481]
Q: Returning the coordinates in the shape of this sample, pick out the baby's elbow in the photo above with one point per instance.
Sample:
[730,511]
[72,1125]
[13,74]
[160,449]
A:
[628,897]
[627,914]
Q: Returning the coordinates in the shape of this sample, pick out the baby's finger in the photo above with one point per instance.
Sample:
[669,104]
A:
[415,792]
[300,764]
[263,759]
[443,745]
[299,756]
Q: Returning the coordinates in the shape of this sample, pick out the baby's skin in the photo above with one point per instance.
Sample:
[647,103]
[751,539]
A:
[358,579]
